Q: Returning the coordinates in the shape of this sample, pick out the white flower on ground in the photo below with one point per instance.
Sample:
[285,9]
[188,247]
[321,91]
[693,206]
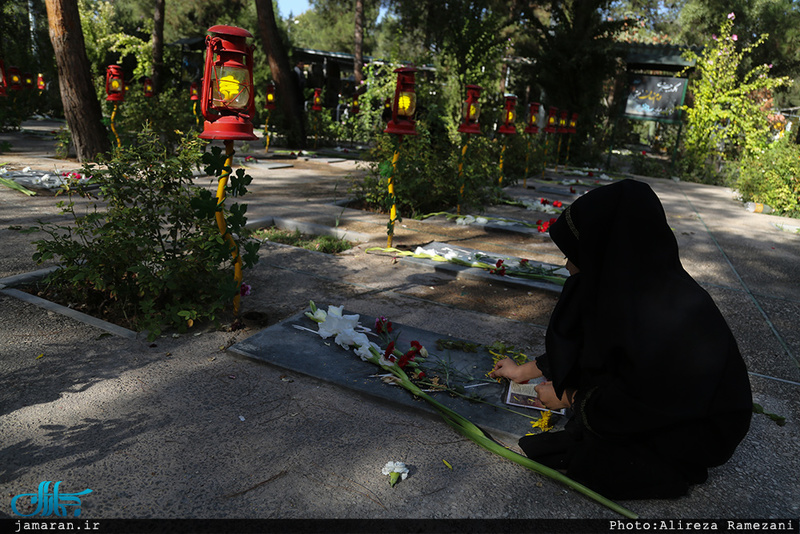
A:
[396,470]
[348,338]
[335,322]
[363,351]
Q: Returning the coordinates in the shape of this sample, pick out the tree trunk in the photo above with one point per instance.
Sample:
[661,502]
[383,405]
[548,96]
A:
[513,11]
[290,97]
[158,46]
[81,107]
[358,61]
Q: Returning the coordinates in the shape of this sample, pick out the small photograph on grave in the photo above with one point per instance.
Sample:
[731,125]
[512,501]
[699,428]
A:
[524,396]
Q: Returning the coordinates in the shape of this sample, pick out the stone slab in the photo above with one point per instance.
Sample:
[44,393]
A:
[326,159]
[268,165]
[486,223]
[475,273]
[307,353]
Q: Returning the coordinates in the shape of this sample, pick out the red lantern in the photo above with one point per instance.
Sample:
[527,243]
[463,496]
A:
[29,80]
[472,111]
[509,114]
[573,124]
[316,104]
[14,79]
[3,82]
[40,83]
[270,102]
[228,100]
[115,85]
[354,109]
[552,120]
[148,87]
[194,92]
[563,122]
[533,118]
[404,105]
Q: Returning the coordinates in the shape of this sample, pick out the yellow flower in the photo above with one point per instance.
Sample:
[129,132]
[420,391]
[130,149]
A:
[517,356]
[545,422]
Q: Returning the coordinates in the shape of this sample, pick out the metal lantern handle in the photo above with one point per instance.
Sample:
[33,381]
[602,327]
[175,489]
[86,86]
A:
[211,45]
[214,45]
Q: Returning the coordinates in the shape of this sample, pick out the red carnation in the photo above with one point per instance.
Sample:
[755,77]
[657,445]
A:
[389,352]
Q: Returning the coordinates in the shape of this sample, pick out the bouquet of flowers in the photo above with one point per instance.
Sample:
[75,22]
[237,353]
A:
[349,334]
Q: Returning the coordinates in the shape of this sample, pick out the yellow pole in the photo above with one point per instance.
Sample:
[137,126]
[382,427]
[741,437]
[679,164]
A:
[546,142]
[461,174]
[558,152]
[569,141]
[316,129]
[393,211]
[223,226]
[114,114]
[527,159]
[266,133]
[502,151]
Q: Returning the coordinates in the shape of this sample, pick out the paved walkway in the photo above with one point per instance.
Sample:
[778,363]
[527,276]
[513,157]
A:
[182,428]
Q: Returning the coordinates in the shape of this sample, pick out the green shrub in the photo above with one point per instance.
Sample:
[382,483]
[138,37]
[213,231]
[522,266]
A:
[728,119]
[167,114]
[772,177]
[149,254]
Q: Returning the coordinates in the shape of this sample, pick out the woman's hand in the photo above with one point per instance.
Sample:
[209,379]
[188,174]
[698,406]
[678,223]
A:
[508,368]
[548,398]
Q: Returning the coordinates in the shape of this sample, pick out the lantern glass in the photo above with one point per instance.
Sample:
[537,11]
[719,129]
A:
[472,111]
[509,116]
[231,87]
[406,104]
[115,85]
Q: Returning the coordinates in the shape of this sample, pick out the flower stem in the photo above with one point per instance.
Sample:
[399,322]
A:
[466,428]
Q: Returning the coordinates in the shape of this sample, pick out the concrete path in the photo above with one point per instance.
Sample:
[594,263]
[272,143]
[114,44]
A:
[183,428]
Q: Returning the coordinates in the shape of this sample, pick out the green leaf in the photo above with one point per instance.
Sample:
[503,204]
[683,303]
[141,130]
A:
[204,204]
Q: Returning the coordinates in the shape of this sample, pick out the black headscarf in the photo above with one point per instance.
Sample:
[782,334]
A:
[646,348]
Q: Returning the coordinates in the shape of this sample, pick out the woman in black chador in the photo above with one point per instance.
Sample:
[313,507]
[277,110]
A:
[639,352]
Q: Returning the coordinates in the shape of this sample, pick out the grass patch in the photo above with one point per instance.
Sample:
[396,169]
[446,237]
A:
[320,243]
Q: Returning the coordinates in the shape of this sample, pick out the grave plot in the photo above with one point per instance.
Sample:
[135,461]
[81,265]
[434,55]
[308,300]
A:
[455,371]
[28,180]
[478,265]
[261,163]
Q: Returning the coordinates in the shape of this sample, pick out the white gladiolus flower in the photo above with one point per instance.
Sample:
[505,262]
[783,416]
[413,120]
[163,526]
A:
[363,351]
[319,316]
[348,338]
[335,322]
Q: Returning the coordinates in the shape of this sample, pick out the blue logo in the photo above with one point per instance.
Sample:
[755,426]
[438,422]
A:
[48,504]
